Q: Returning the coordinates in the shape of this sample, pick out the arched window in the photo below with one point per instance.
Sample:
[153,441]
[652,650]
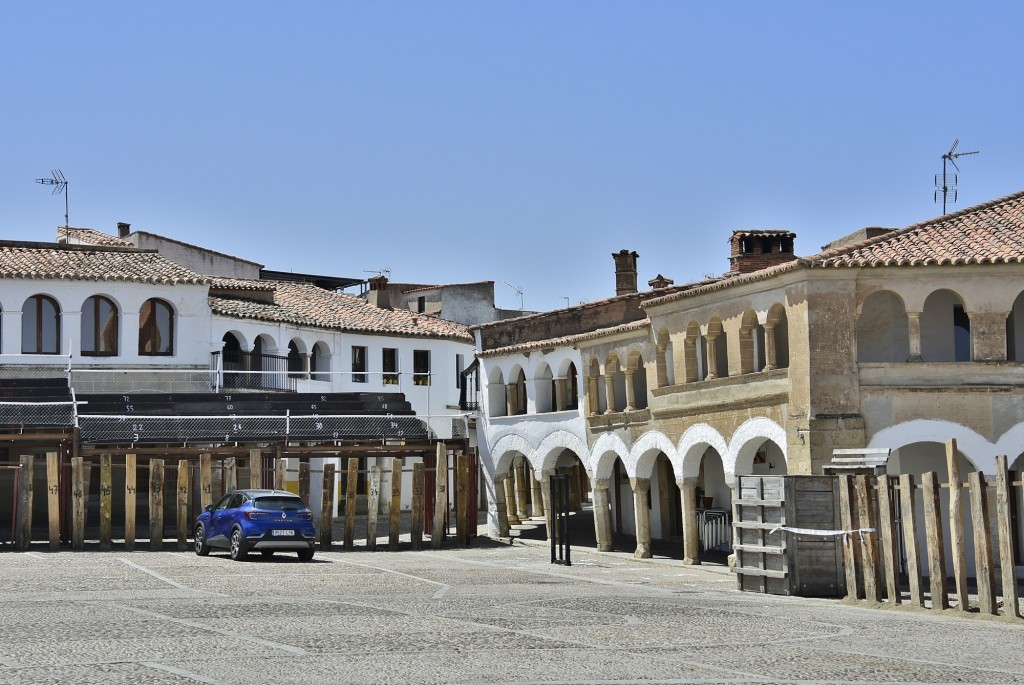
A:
[572,388]
[40,326]
[295,369]
[520,392]
[99,327]
[945,328]
[156,328]
[1015,331]
[638,376]
[544,389]
[883,333]
[497,394]
[320,362]
[778,323]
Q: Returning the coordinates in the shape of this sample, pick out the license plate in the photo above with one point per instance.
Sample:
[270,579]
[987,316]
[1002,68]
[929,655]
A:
[285,533]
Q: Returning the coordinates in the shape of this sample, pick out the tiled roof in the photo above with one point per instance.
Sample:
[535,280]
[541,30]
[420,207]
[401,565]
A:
[567,340]
[303,304]
[91,236]
[220,283]
[90,263]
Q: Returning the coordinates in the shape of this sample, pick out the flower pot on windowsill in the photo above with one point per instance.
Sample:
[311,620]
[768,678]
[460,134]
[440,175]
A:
[707,502]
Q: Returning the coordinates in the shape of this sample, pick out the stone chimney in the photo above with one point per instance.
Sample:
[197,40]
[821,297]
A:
[659,282]
[756,250]
[625,272]
[378,294]
[123,229]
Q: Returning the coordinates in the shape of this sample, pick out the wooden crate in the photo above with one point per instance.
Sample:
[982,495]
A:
[785,563]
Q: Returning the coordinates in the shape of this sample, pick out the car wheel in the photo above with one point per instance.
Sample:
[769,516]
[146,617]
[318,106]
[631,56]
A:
[267,553]
[202,549]
[306,554]
[239,545]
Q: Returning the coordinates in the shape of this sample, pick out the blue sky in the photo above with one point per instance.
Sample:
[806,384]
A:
[515,142]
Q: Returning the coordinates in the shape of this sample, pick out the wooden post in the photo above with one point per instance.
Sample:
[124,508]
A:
[106,502]
[418,480]
[183,504]
[441,497]
[887,528]
[868,541]
[230,475]
[983,561]
[350,503]
[933,532]
[304,478]
[462,499]
[280,473]
[1011,595]
[156,504]
[327,509]
[908,514]
[53,498]
[500,508]
[77,504]
[956,525]
[395,521]
[25,502]
[205,480]
[846,521]
[130,488]
[372,507]
[255,469]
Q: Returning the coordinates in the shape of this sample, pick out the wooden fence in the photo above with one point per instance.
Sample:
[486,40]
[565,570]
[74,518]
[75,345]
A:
[888,504]
[197,483]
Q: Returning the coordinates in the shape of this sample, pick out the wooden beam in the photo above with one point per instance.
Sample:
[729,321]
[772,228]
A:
[957,549]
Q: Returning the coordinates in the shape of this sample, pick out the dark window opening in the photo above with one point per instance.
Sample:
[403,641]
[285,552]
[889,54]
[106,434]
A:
[99,327]
[421,367]
[358,364]
[156,329]
[390,365]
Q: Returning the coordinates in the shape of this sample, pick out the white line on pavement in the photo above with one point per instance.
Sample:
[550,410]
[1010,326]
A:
[183,673]
[437,595]
[167,580]
[220,631]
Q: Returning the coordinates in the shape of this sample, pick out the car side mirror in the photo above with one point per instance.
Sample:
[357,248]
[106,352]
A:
[208,507]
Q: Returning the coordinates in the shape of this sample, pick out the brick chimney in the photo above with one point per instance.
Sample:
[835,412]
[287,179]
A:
[123,229]
[378,294]
[756,250]
[625,272]
[659,282]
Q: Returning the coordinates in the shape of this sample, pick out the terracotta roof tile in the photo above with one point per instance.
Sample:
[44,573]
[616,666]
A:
[91,236]
[566,340]
[221,283]
[307,305]
[90,263]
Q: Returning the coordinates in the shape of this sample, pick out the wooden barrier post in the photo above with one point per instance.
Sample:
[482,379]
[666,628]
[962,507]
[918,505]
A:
[351,478]
[255,469]
[156,504]
[933,532]
[440,497]
[908,514]
[106,502]
[395,520]
[183,481]
[280,473]
[230,475]
[983,561]
[372,507]
[887,528]
[868,541]
[130,489]
[25,502]
[1011,595]
[77,504]
[205,480]
[462,499]
[304,478]
[418,481]
[956,525]
[327,509]
[849,546]
[53,498]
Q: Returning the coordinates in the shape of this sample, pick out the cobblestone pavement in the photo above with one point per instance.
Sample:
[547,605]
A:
[490,614]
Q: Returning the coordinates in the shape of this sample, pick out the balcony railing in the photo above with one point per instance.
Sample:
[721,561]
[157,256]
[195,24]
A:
[238,370]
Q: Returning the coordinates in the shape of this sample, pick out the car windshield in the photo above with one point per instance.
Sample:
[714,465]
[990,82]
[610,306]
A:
[277,503]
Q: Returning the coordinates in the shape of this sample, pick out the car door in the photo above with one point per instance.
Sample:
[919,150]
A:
[221,519]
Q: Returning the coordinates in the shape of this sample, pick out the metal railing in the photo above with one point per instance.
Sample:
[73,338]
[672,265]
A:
[237,370]
[714,527]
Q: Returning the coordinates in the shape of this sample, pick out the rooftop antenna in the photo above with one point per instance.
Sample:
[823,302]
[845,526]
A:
[60,185]
[519,292]
[385,272]
[948,185]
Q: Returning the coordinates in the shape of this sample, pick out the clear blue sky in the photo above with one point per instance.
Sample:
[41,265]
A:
[520,141]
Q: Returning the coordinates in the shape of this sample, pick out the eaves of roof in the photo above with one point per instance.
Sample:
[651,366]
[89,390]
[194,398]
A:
[567,340]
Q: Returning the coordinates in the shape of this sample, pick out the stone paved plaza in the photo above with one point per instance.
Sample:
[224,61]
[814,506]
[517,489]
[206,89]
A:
[490,614]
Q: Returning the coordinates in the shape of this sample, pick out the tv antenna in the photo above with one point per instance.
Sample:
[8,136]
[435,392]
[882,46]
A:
[519,292]
[948,182]
[385,272]
[60,185]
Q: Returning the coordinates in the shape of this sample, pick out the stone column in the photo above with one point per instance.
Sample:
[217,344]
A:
[662,365]
[690,359]
[609,392]
[988,336]
[536,486]
[769,347]
[510,498]
[914,330]
[641,486]
[712,355]
[559,394]
[593,388]
[691,542]
[305,364]
[549,515]
[511,401]
[521,486]
[630,393]
[603,514]
[500,506]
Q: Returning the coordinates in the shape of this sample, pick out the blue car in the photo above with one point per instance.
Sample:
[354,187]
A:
[267,521]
